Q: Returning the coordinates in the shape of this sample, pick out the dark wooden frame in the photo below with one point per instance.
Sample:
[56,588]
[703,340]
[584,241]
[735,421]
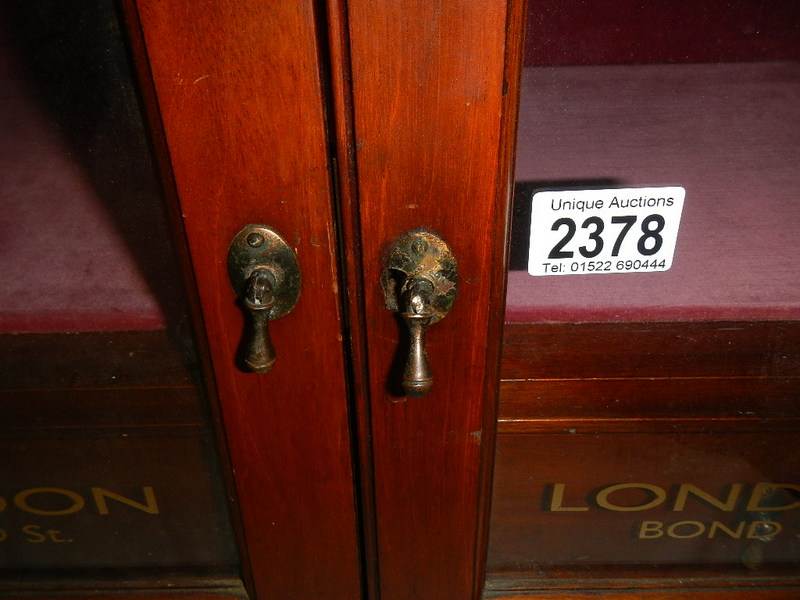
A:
[405,552]
[234,91]
[426,462]
[418,128]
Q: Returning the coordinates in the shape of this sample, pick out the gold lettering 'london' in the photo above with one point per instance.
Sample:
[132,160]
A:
[762,498]
[55,501]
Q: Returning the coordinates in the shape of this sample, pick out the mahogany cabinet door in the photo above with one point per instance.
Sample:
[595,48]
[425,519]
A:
[673,390]
[425,106]
[648,398]
[236,89]
[111,477]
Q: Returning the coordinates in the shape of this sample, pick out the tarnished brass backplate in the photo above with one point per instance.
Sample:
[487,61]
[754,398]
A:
[420,254]
[261,247]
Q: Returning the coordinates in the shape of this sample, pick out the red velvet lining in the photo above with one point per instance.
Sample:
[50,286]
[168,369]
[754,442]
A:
[64,263]
[729,133]
[597,32]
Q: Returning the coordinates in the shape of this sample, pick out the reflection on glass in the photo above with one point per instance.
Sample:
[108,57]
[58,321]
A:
[646,419]
[653,500]
[109,455]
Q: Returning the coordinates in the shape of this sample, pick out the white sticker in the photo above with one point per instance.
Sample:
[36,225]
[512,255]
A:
[630,230]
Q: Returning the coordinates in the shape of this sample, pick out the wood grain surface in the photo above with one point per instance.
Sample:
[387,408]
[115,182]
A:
[639,404]
[594,404]
[629,349]
[429,108]
[238,89]
[341,105]
[788,593]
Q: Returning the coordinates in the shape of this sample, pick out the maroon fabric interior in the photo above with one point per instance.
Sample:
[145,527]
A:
[83,246]
[83,240]
[728,133]
[65,264]
[598,32]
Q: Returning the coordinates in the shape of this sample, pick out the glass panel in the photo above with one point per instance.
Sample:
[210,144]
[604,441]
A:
[648,400]
[703,95]
[110,466]
[715,502]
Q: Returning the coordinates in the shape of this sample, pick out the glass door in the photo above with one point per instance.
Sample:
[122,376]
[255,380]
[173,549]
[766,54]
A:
[110,468]
[649,379]
[174,416]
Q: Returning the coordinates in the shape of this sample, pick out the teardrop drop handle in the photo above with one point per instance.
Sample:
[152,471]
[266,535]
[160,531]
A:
[419,281]
[265,276]
[258,300]
[417,314]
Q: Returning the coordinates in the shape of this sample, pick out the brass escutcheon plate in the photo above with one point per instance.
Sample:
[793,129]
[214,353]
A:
[261,247]
[420,253]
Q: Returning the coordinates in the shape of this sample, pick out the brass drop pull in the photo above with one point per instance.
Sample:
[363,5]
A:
[419,282]
[417,314]
[265,274]
[260,353]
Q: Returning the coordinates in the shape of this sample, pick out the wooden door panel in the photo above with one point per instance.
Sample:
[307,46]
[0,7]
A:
[431,113]
[643,403]
[647,349]
[238,90]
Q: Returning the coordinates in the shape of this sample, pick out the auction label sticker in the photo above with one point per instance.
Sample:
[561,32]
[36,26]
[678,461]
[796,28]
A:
[631,230]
